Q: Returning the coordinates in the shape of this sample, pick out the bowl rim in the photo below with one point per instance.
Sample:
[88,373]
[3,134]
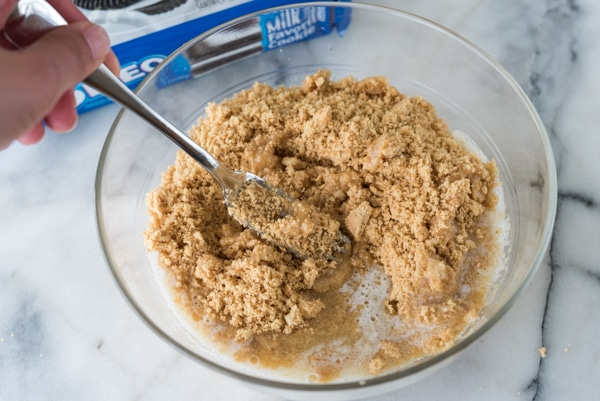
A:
[431,361]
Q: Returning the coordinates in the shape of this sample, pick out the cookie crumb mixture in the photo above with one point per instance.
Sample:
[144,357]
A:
[294,225]
[385,169]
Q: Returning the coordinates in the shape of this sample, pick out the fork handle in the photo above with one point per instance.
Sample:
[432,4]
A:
[104,81]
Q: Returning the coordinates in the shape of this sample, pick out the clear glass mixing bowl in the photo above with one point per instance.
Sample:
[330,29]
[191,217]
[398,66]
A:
[469,90]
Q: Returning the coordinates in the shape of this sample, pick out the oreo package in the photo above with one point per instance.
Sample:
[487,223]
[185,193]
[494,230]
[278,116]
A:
[144,32]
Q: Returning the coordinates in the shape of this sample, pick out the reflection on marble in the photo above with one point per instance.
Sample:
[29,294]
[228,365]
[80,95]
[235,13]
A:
[66,333]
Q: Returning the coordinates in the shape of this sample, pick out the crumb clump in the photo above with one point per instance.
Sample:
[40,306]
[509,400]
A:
[294,225]
[383,165]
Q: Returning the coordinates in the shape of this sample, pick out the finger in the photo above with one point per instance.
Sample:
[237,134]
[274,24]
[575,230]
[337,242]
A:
[5,142]
[64,57]
[63,117]
[33,136]
[43,72]
[71,13]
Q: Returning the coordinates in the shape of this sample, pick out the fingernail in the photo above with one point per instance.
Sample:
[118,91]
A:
[98,41]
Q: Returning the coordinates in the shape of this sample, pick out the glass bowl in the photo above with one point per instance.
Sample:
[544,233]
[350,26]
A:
[469,90]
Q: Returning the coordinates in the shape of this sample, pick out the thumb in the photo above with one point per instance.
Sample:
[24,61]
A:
[43,72]
[66,55]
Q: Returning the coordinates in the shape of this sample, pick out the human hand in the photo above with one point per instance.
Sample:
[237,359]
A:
[36,83]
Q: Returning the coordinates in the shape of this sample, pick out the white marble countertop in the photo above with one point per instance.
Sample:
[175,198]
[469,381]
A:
[66,332]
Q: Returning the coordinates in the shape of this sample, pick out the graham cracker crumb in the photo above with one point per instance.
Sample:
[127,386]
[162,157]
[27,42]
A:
[294,225]
[380,166]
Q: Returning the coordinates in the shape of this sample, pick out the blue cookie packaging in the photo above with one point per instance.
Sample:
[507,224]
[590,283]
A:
[145,32]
